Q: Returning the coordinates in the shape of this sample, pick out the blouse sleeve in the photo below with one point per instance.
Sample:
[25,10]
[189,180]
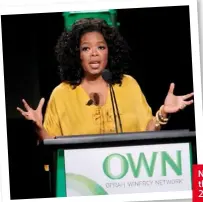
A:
[51,118]
[143,110]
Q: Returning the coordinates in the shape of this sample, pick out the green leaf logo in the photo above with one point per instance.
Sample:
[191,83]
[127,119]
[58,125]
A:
[82,186]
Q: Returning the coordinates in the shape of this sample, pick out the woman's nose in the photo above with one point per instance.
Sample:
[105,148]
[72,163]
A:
[94,52]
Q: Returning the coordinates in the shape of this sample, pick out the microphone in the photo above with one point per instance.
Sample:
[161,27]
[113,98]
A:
[94,99]
[90,102]
[107,76]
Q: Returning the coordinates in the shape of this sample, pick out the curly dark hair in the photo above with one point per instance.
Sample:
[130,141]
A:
[68,52]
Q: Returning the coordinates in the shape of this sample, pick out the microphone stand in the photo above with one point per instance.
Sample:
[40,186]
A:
[114,104]
[107,76]
[117,110]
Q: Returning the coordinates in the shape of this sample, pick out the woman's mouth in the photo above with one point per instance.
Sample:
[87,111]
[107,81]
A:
[94,65]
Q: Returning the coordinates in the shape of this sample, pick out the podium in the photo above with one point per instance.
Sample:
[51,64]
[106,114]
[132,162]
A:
[121,163]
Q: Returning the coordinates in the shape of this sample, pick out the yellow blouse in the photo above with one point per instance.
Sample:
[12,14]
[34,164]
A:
[68,114]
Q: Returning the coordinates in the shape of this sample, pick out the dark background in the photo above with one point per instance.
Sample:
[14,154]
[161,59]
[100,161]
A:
[161,51]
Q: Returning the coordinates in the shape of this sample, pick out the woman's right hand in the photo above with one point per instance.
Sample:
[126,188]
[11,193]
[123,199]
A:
[33,115]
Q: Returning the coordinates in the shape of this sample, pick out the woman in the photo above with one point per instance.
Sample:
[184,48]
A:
[83,53]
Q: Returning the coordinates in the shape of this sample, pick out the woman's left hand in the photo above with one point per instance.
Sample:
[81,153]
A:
[173,103]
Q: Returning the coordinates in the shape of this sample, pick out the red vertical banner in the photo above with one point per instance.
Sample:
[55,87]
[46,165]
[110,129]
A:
[197,183]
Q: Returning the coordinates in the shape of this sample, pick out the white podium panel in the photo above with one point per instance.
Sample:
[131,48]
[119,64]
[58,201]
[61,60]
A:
[128,169]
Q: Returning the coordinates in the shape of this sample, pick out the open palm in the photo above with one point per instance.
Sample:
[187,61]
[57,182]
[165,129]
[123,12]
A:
[173,103]
[31,114]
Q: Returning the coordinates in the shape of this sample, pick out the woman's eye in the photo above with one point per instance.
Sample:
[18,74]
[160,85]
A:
[85,48]
[101,47]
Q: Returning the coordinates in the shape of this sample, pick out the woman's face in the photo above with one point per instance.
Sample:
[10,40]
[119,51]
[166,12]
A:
[93,53]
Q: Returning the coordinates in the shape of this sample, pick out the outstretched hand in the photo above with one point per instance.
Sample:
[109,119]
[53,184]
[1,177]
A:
[173,103]
[31,114]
